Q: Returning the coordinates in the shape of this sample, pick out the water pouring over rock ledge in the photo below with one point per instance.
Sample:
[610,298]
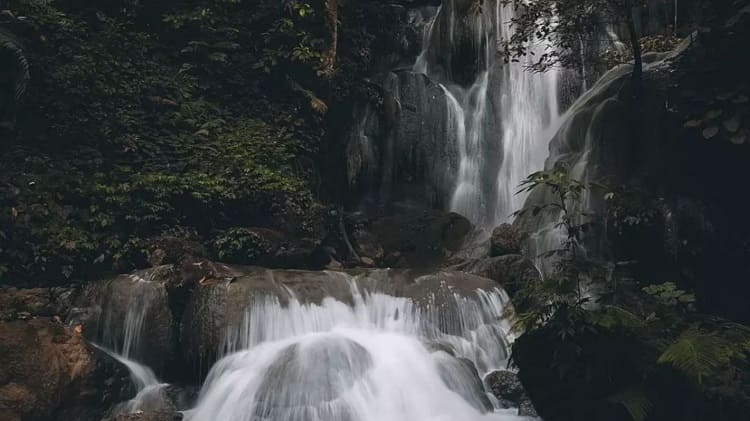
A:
[304,345]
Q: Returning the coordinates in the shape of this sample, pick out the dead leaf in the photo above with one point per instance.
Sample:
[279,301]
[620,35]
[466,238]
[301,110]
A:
[732,124]
[318,105]
[691,124]
[710,132]
[738,139]
[78,329]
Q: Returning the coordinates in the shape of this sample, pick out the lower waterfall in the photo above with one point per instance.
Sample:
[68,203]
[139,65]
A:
[380,358]
[330,346]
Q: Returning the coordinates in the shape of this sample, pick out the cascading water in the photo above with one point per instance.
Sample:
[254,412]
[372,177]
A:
[378,358]
[121,338]
[503,120]
[529,115]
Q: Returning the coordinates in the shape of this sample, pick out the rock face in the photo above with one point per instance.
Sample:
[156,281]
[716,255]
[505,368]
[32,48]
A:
[18,303]
[509,392]
[511,271]
[406,151]
[49,372]
[103,308]
[421,238]
[505,240]
[215,305]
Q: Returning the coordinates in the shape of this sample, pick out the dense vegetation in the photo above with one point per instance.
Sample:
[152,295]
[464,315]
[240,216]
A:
[126,125]
[129,121]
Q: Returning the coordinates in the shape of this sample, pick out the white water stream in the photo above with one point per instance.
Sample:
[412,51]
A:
[508,110]
[381,358]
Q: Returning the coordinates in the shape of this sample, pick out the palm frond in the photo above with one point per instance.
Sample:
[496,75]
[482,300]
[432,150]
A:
[697,354]
[635,402]
[21,76]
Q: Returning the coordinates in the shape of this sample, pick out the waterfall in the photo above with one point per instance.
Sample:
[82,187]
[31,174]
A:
[529,115]
[503,120]
[380,357]
[121,336]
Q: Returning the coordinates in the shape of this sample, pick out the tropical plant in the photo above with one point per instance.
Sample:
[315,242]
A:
[636,332]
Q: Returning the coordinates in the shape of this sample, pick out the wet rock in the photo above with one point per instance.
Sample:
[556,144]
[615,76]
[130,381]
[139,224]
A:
[148,416]
[511,271]
[49,371]
[20,303]
[103,308]
[421,238]
[505,240]
[407,150]
[313,376]
[214,306]
[460,375]
[507,388]
[444,286]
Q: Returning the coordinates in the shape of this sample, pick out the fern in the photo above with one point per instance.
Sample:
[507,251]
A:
[635,402]
[611,316]
[11,46]
[697,354]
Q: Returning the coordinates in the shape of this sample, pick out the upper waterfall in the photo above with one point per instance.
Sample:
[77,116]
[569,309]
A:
[463,126]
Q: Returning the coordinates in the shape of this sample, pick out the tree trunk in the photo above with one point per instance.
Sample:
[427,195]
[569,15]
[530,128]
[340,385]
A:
[328,62]
[637,54]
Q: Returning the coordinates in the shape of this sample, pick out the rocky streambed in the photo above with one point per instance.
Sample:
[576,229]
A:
[178,321]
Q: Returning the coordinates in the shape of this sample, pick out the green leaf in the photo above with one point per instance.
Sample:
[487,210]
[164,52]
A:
[635,402]
[697,354]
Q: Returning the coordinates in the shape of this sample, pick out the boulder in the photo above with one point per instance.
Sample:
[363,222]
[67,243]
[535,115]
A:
[49,371]
[104,308]
[20,303]
[505,239]
[216,305]
[507,388]
[511,271]
[460,375]
[421,238]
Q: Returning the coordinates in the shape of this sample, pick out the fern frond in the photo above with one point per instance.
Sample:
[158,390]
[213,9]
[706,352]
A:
[635,401]
[21,76]
[610,316]
[697,354]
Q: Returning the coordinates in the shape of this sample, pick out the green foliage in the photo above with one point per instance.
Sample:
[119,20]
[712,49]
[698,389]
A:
[630,330]
[11,50]
[132,128]
[564,26]
[635,402]
[241,245]
[539,301]
[697,354]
